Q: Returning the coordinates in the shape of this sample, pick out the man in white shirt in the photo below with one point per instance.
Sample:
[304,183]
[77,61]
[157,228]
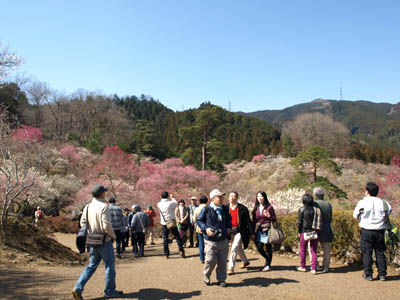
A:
[372,213]
[166,208]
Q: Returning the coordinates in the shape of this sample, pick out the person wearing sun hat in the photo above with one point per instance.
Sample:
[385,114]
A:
[216,225]
[192,208]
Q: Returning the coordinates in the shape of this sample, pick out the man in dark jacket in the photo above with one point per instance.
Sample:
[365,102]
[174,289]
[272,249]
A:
[325,235]
[241,230]
[215,223]
[139,223]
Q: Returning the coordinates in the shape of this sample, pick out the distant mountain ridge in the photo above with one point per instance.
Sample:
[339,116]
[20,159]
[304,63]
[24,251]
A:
[371,122]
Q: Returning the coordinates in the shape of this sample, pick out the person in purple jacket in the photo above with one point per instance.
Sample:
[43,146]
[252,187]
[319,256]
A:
[262,216]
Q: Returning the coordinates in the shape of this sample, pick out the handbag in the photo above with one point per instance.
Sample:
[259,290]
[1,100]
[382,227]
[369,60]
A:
[275,234]
[310,235]
[168,223]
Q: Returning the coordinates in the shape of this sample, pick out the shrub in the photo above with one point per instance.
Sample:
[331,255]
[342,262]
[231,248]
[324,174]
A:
[28,134]
[258,158]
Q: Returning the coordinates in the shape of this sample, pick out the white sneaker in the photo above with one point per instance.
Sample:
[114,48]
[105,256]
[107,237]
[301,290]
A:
[266,269]
[300,269]
[314,272]
[326,271]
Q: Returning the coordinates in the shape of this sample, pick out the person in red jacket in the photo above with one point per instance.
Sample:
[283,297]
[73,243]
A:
[150,229]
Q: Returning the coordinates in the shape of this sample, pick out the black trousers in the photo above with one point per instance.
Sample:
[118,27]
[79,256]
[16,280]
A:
[165,234]
[191,234]
[266,251]
[373,240]
[126,238]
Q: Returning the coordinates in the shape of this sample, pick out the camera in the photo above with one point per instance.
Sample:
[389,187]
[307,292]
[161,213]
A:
[217,232]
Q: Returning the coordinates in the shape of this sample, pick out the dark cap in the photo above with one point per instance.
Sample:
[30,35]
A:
[98,189]
[111,200]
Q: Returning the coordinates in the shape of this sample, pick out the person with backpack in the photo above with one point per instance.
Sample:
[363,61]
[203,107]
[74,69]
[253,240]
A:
[97,219]
[373,215]
[216,225]
[39,216]
[117,224]
[262,215]
[309,224]
[139,223]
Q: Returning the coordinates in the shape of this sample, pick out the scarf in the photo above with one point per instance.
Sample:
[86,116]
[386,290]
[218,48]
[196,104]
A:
[218,210]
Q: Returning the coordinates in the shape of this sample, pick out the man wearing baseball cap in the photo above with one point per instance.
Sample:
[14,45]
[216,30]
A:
[192,207]
[96,216]
[216,225]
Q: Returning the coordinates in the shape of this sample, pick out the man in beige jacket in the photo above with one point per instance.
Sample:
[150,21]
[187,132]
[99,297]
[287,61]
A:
[96,216]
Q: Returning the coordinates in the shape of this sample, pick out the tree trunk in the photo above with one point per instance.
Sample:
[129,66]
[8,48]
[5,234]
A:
[203,156]
[4,215]
[315,172]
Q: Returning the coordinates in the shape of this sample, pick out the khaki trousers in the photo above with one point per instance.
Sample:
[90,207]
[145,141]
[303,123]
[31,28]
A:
[150,234]
[237,248]
[216,255]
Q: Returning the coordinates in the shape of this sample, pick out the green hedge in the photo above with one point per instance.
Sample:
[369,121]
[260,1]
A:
[346,243]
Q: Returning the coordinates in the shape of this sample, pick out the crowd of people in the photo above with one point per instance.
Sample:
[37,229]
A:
[212,223]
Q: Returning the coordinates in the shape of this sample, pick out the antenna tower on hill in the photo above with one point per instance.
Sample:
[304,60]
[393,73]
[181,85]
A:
[229,106]
[341,93]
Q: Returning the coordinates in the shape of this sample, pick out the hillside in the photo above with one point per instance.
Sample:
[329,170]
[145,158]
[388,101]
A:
[378,124]
[274,174]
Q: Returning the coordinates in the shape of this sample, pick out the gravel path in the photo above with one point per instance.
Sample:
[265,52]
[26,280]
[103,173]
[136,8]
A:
[154,277]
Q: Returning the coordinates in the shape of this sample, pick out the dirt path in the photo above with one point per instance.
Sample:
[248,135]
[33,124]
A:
[154,277]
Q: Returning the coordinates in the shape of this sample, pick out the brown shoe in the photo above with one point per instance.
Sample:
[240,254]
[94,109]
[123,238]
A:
[245,265]
[182,254]
[231,272]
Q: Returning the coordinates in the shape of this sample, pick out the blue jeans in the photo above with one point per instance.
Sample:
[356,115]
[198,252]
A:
[106,253]
[200,238]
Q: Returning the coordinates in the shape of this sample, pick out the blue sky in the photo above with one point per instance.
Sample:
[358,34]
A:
[254,54]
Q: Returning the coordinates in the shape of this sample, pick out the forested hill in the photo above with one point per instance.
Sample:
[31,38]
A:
[372,122]
[229,136]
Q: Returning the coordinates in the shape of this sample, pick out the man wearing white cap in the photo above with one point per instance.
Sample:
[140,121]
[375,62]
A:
[216,225]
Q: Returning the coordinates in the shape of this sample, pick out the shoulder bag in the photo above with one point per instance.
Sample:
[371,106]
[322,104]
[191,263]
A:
[169,223]
[275,234]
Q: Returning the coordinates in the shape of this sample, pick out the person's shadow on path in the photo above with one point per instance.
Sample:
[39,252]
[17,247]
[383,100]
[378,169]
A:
[157,294]
[261,282]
